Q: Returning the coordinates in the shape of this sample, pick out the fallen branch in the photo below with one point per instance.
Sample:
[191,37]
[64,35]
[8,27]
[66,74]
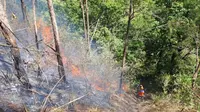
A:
[34,43]
[46,95]
[45,101]
[94,31]
[196,96]
[5,77]
[34,91]
[21,29]
[70,102]
[5,45]
[50,47]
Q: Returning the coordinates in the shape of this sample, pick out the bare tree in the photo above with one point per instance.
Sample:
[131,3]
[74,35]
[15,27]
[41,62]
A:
[23,9]
[36,35]
[130,17]
[84,22]
[15,51]
[35,25]
[61,69]
[195,75]
[84,7]
[88,26]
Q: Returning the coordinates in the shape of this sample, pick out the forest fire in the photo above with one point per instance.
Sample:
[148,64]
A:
[99,85]
[47,34]
[46,31]
[69,56]
[75,70]
[96,82]
[125,87]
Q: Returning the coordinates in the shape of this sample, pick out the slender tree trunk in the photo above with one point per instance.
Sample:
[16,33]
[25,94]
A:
[36,35]
[61,69]
[84,21]
[172,62]
[35,25]
[23,9]
[131,15]
[194,77]
[197,54]
[15,51]
[88,25]
[84,7]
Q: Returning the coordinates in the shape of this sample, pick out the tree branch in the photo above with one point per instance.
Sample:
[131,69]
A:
[5,45]
[51,47]
[45,101]
[70,102]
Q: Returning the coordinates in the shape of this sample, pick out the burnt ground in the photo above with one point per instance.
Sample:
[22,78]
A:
[124,103]
[118,103]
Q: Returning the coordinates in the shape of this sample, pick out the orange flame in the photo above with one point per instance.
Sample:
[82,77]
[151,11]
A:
[75,70]
[125,87]
[100,85]
[39,23]
[47,34]
[45,30]
[97,87]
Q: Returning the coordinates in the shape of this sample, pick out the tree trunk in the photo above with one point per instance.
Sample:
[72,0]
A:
[61,69]
[84,22]
[15,51]
[194,77]
[172,61]
[35,25]
[23,9]
[84,7]
[36,35]
[88,25]
[131,14]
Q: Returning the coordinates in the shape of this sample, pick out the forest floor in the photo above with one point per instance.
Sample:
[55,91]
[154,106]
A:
[129,103]
[119,103]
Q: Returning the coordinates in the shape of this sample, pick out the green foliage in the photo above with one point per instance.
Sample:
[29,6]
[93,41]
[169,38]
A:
[165,82]
[182,88]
